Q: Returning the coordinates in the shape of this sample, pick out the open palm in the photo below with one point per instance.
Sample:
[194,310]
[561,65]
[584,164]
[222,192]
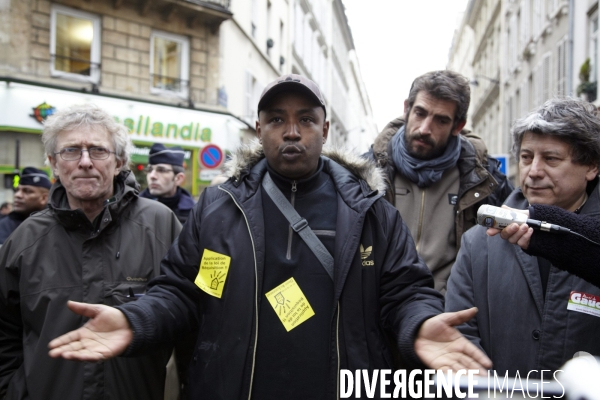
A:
[441,346]
[107,334]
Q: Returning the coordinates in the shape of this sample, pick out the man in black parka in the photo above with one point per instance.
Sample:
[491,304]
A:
[273,322]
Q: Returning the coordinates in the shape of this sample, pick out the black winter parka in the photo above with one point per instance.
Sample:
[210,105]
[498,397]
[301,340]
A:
[393,295]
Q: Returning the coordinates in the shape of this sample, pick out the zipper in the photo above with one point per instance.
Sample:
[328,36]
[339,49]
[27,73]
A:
[421,219]
[337,347]
[288,255]
[255,290]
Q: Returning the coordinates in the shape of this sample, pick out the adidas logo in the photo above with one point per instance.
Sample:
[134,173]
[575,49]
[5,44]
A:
[364,254]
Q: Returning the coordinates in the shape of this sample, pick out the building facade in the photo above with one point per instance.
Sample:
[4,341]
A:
[460,58]
[526,51]
[484,18]
[181,72]
[151,64]
[268,38]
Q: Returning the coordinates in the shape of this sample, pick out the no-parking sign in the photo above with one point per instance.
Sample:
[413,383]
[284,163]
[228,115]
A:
[211,156]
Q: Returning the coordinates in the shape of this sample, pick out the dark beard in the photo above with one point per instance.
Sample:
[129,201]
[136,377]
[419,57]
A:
[434,152]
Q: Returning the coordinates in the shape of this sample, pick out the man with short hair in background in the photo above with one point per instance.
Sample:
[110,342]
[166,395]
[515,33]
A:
[165,175]
[437,174]
[31,196]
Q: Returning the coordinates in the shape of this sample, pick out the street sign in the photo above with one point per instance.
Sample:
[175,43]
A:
[503,158]
[209,174]
[211,156]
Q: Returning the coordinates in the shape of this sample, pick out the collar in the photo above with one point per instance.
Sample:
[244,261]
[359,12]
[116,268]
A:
[17,216]
[171,202]
[303,186]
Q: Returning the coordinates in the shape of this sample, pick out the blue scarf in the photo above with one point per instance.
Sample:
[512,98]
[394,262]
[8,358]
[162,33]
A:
[424,172]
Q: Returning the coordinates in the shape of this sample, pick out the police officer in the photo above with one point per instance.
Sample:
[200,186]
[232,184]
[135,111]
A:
[31,196]
[165,175]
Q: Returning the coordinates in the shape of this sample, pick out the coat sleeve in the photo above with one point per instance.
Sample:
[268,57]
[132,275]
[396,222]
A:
[459,294]
[407,295]
[11,328]
[172,302]
[504,187]
[568,252]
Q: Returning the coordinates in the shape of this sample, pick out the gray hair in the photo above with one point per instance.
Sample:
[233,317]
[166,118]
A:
[444,85]
[91,116]
[573,121]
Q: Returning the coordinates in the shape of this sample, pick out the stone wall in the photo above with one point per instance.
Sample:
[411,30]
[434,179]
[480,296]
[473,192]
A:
[125,48]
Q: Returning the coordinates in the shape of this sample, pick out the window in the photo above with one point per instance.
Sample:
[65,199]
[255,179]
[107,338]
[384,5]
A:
[525,103]
[546,78]
[74,44]
[281,48]
[538,17]
[525,24]
[254,22]
[252,95]
[169,64]
[270,43]
[593,50]
[531,101]
[299,33]
[561,68]
[513,39]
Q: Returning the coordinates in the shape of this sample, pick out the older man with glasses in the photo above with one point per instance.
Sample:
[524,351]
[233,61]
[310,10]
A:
[165,175]
[97,242]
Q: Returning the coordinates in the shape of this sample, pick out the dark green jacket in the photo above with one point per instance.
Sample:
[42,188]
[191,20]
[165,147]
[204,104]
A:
[58,255]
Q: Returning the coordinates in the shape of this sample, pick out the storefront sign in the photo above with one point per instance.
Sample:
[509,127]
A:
[147,123]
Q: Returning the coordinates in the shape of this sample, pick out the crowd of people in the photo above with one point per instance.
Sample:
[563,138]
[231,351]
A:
[304,260]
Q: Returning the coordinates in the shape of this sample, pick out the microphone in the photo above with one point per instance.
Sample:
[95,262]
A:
[499,218]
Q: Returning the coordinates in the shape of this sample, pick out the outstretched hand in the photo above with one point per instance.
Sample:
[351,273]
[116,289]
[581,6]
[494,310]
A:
[107,334]
[515,234]
[441,346]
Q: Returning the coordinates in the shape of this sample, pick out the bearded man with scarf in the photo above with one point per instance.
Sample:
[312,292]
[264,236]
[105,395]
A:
[438,174]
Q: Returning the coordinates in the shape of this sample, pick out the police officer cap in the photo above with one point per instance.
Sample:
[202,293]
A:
[34,177]
[159,154]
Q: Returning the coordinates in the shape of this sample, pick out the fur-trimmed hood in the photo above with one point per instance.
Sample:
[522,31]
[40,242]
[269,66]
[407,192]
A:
[248,155]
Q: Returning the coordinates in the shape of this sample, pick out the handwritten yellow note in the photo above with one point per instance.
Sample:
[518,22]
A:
[290,304]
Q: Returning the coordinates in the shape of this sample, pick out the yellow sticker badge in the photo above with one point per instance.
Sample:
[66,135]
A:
[290,304]
[213,272]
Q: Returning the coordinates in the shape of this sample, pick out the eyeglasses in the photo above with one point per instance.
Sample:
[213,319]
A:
[74,153]
[159,169]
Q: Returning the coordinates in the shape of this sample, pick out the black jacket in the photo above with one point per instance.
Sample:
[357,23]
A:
[185,205]
[58,255]
[9,224]
[569,252]
[388,290]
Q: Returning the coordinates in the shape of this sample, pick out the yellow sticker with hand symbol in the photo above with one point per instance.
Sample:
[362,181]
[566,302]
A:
[213,272]
[290,304]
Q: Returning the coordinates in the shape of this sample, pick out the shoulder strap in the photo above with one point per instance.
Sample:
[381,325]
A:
[299,224]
